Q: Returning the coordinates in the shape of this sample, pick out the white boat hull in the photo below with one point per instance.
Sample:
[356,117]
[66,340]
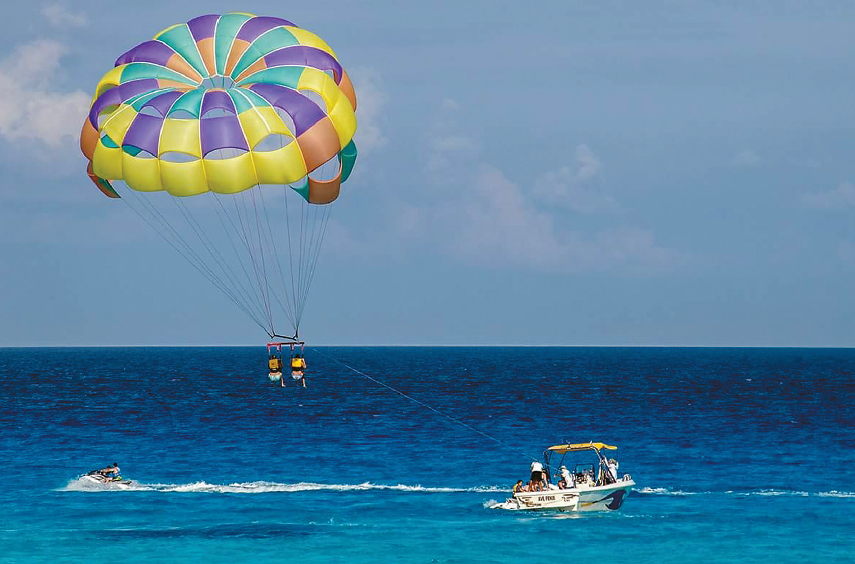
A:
[580,498]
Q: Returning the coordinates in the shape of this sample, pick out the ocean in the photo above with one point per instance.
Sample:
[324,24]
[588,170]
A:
[398,454]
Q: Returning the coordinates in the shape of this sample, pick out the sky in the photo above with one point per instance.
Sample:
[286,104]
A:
[556,173]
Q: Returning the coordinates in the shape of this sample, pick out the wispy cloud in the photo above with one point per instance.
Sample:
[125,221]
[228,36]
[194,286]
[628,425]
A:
[58,15]
[449,104]
[839,198]
[487,218]
[30,106]
[575,187]
[371,98]
[447,145]
[493,222]
[496,224]
[475,214]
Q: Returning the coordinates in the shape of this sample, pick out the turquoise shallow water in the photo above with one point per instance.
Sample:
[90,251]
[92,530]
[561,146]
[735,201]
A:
[739,454]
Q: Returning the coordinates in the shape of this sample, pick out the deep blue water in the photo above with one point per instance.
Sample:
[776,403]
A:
[739,454]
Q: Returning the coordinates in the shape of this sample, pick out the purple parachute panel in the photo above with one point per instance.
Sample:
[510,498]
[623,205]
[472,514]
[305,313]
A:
[217,99]
[148,52]
[203,27]
[304,56]
[144,133]
[163,102]
[303,111]
[117,95]
[252,29]
[222,133]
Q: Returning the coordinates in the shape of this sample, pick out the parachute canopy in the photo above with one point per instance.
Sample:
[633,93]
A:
[208,130]
[272,94]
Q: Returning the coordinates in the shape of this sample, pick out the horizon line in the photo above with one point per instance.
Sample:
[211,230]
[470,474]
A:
[517,345]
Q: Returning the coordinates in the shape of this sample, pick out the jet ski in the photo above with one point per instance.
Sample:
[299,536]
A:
[96,477]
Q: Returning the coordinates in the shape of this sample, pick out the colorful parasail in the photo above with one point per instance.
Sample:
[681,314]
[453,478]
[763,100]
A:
[230,134]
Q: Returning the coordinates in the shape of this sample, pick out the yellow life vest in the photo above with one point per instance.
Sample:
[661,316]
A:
[275,364]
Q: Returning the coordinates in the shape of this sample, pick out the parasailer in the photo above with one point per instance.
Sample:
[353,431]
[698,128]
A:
[231,136]
[296,362]
[274,362]
[298,366]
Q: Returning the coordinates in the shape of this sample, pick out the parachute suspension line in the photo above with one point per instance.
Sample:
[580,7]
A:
[295,320]
[326,221]
[187,252]
[263,254]
[287,306]
[241,236]
[313,246]
[176,241]
[190,253]
[248,241]
[304,253]
[313,259]
[426,406]
[304,211]
[254,298]
[212,249]
[268,247]
[313,241]
[240,233]
[285,190]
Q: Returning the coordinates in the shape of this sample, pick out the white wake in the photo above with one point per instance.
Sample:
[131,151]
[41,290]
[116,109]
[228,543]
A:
[262,487]
[761,493]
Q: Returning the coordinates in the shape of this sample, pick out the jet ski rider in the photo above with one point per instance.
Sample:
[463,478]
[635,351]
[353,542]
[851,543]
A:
[110,472]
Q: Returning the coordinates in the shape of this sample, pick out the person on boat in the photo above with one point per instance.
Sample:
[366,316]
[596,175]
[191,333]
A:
[613,467]
[566,481]
[536,480]
[519,487]
[607,474]
[586,477]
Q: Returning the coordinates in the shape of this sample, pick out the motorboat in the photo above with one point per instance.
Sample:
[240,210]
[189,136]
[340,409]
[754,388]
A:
[588,486]
[96,477]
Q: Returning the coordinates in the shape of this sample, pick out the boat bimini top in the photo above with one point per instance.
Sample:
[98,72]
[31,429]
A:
[578,447]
